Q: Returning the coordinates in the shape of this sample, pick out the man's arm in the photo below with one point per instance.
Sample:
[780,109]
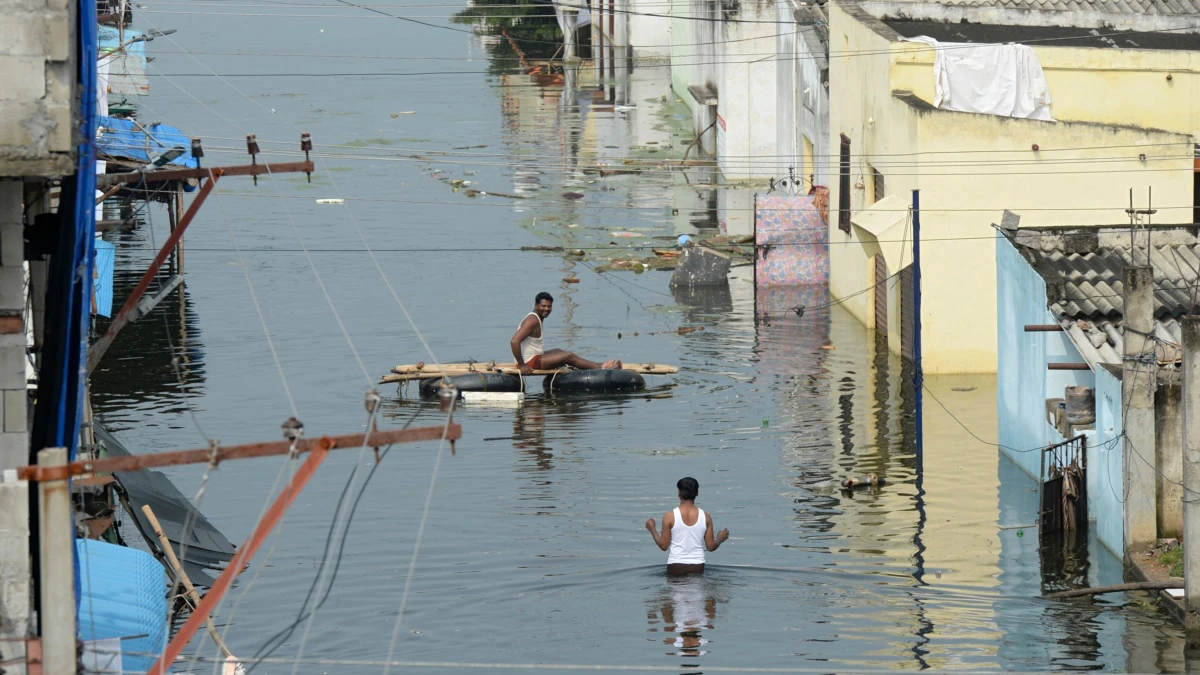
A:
[523,331]
[664,539]
[710,542]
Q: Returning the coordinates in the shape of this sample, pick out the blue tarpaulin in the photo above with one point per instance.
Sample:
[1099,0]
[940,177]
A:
[105,261]
[129,139]
[123,593]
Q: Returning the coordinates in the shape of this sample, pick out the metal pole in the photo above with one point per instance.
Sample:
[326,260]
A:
[57,573]
[1191,461]
[241,559]
[918,373]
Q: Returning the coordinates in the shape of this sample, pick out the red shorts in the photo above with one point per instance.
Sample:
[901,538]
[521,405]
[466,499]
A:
[535,362]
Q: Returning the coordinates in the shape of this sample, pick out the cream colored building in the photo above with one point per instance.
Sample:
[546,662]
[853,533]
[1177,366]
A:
[1127,109]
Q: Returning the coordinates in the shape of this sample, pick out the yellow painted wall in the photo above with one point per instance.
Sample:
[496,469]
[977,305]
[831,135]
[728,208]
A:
[970,168]
[862,107]
[1111,86]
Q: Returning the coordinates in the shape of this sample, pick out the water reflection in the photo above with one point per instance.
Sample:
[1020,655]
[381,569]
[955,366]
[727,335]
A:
[157,360]
[683,609]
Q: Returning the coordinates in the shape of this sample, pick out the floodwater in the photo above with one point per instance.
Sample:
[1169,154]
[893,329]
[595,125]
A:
[532,548]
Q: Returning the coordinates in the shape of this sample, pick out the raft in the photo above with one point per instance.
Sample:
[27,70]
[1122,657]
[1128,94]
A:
[422,371]
[481,381]
[602,380]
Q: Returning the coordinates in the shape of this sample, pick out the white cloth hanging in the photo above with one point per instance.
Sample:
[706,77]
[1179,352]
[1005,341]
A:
[994,79]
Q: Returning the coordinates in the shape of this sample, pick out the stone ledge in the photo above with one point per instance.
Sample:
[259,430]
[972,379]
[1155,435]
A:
[1141,567]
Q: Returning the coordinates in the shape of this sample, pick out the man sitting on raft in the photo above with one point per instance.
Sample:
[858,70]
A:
[527,347]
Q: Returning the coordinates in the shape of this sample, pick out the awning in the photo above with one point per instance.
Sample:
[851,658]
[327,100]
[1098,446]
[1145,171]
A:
[886,223]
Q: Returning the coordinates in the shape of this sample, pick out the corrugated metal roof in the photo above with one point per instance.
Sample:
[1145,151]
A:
[1084,291]
[1110,6]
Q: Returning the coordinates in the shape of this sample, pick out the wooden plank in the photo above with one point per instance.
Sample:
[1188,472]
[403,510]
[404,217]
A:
[426,370]
[429,373]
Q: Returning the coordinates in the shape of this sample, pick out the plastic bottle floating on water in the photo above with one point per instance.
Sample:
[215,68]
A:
[622,233]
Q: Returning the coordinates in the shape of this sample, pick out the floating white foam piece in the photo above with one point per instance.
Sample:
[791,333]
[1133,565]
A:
[331,201]
[506,398]
[1176,593]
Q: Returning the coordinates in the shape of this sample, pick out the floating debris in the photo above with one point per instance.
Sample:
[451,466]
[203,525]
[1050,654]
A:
[572,195]
[331,201]
[571,280]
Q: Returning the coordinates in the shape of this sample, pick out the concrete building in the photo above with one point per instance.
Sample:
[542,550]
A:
[724,64]
[803,92]
[1072,279]
[38,72]
[1076,169]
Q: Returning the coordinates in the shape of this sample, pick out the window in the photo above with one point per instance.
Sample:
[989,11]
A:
[879,190]
[844,185]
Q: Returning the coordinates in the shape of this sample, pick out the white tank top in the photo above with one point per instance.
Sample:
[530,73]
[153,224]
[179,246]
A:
[531,346]
[687,542]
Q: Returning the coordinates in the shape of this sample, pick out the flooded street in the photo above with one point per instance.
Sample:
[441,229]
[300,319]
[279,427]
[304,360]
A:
[533,550]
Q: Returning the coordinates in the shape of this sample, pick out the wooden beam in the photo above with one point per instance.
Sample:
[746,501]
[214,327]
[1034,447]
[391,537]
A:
[1043,328]
[377,438]
[109,179]
[1068,366]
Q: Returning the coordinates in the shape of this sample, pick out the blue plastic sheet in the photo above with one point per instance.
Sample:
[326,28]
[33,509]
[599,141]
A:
[105,262]
[129,139]
[123,594]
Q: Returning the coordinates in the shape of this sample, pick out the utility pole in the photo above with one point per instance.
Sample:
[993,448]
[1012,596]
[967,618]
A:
[918,369]
[1137,392]
[56,525]
[1190,326]
[568,28]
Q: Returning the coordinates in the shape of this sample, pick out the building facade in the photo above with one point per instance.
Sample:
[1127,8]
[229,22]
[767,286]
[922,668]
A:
[1077,169]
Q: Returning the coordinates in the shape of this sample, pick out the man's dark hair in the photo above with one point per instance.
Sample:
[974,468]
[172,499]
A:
[688,488]
[543,296]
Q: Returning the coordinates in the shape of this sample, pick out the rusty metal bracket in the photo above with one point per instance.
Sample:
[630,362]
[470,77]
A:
[109,179]
[205,455]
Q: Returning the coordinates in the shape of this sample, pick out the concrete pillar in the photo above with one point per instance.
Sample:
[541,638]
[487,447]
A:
[569,17]
[1190,327]
[57,574]
[16,599]
[1168,448]
[1137,393]
[14,439]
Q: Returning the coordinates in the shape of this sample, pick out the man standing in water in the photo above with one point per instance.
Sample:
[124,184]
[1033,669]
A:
[687,531]
[527,347]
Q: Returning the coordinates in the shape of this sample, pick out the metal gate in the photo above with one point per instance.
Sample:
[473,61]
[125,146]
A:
[1064,487]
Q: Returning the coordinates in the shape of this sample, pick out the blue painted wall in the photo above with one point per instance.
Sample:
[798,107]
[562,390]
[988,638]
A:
[1105,465]
[1024,383]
